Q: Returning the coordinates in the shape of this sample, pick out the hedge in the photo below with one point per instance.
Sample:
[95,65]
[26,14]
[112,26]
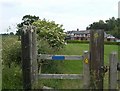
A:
[86,42]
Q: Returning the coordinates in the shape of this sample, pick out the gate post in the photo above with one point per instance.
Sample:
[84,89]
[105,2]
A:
[113,70]
[34,63]
[26,43]
[118,79]
[86,71]
[29,58]
[96,58]
[119,62]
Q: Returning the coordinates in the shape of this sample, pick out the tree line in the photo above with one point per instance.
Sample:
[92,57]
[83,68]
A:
[111,26]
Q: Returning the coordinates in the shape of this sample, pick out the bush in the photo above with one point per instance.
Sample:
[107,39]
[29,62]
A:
[76,41]
[50,32]
[12,78]
[111,43]
[11,55]
[86,42]
[11,52]
[48,66]
[44,47]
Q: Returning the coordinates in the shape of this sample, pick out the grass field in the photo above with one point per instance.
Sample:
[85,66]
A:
[12,76]
[76,67]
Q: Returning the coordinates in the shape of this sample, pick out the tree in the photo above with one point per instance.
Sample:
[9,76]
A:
[97,25]
[50,32]
[26,20]
[111,23]
[47,30]
[11,33]
[111,26]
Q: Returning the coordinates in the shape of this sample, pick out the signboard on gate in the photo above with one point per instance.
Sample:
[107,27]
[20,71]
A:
[58,57]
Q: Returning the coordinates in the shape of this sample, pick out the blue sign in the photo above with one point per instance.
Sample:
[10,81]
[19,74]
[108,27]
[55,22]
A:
[58,57]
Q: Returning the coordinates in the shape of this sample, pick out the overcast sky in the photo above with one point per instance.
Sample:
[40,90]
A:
[72,14]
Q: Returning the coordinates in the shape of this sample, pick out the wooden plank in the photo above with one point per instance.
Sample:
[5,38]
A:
[60,76]
[86,71]
[61,57]
[96,58]
[113,70]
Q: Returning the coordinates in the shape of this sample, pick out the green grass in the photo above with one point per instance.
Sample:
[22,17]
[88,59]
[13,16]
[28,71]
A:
[78,49]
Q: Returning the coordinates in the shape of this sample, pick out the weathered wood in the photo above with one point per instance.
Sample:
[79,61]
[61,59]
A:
[1,62]
[60,76]
[66,57]
[118,80]
[119,62]
[26,43]
[96,58]
[34,64]
[86,71]
[113,71]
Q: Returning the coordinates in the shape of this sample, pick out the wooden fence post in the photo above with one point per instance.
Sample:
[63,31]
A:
[118,79]
[1,62]
[34,59]
[86,71]
[29,58]
[113,71]
[119,62]
[26,43]
[96,58]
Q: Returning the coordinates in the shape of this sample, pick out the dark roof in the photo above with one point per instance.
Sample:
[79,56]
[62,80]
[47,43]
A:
[79,32]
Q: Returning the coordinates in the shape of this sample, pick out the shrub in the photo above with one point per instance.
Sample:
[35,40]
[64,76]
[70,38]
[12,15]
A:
[11,78]
[11,51]
[76,41]
[50,32]
[111,43]
[86,42]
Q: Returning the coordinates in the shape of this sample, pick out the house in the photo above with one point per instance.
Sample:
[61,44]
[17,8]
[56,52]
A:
[110,37]
[78,35]
[85,35]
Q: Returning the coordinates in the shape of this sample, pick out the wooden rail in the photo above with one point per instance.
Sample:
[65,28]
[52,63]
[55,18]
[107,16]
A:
[60,76]
[60,57]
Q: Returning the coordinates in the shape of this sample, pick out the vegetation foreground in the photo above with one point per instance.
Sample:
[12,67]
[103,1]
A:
[12,77]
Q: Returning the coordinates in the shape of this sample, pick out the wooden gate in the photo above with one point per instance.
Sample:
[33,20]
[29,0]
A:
[93,61]
[85,76]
